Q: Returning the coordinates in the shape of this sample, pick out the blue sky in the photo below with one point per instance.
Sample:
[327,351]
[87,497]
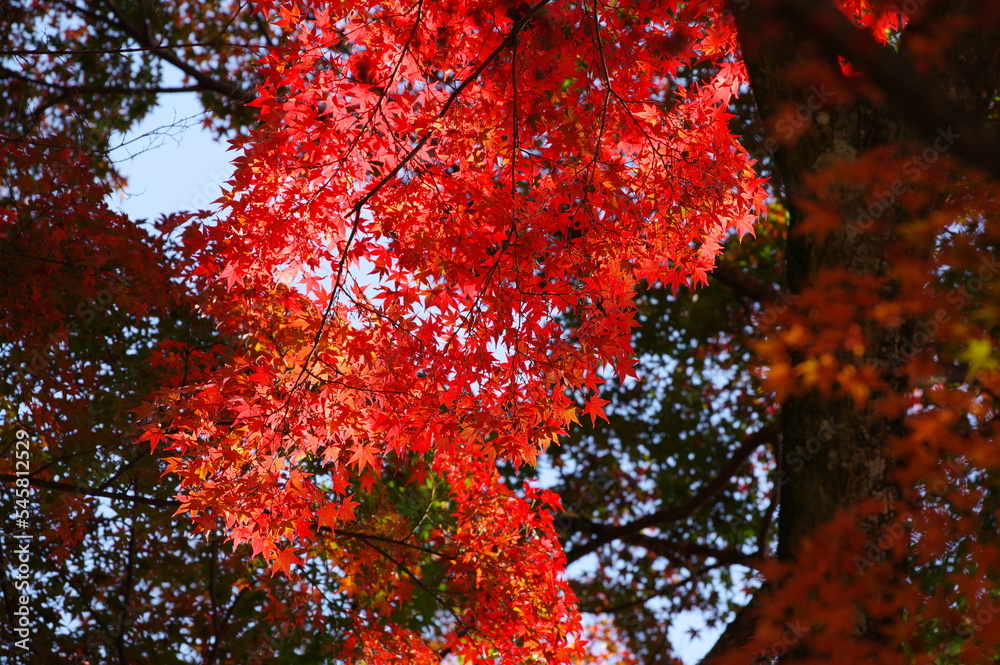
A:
[171,162]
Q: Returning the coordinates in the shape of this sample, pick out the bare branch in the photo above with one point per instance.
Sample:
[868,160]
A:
[682,550]
[745,283]
[142,37]
[127,49]
[89,491]
[604,533]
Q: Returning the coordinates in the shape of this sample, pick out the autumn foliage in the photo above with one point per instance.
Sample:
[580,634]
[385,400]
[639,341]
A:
[424,203]
[460,235]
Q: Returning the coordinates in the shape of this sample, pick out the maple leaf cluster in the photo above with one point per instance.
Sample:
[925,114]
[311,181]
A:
[432,188]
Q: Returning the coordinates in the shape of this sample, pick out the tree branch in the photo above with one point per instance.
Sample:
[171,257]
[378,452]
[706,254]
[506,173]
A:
[127,588]
[604,533]
[90,491]
[384,539]
[678,549]
[126,49]
[143,38]
[745,283]
[94,89]
[172,503]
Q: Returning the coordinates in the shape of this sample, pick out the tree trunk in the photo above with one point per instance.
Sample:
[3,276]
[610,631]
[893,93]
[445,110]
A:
[835,451]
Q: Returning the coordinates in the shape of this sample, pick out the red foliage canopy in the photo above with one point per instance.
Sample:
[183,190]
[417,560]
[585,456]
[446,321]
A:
[436,189]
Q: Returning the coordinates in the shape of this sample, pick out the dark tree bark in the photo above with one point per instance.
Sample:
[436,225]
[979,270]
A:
[785,45]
